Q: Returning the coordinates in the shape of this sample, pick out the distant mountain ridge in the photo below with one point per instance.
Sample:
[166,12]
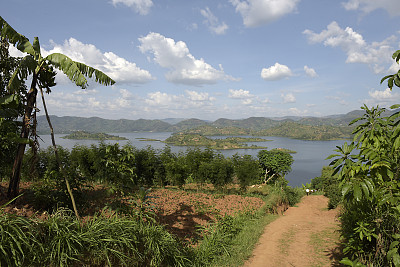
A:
[69,124]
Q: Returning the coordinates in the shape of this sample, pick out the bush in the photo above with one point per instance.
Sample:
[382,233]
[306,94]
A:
[247,170]
[329,184]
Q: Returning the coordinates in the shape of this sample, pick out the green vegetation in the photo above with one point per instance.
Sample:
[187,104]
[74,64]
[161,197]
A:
[147,139]
[307,132]
[43,74]
[209,130]
[329,185]
[131,237]
[82,135]
[185,139]
[368,170]
[284,150]
[275,164]
[306,128]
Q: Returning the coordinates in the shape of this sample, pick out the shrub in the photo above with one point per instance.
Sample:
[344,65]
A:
[329,184]
[247,170]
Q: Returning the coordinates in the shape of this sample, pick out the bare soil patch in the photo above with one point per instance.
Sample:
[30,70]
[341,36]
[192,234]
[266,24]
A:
[306,235]
[182,212]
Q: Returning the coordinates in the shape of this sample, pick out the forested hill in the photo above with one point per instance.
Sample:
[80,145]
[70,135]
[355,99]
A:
[70,124]
[98,125]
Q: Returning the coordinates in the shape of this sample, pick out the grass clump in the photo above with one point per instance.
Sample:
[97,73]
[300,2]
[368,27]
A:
[63,240]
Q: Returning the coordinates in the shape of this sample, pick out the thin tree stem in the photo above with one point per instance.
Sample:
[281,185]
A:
[57,157]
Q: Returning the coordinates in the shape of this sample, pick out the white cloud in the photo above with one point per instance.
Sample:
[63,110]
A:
[116,67]
[354,45]
[140,6]
[381,95]
[383,98]
[391,6]
[125,94]
[244,95]
[165,103]
[247,101]
[288,98]
[175,56]
[86,92]
[276,72]
[213,22]
[310,72]
[14,52]
[297,112]
[198,96]
[259,12]
[240,94]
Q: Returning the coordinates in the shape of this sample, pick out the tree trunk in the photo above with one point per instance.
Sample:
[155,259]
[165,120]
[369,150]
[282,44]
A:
[13,187]
[57,157]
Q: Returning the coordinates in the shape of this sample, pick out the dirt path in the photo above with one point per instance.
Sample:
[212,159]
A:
[305,235]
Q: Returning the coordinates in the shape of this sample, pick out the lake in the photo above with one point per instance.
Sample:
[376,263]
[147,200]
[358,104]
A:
[308,161]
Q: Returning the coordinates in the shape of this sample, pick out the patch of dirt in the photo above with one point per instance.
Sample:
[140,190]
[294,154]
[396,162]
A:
[182,212]
[306,235]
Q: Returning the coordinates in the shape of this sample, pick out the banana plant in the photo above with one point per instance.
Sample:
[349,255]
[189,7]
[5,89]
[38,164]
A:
[43,74]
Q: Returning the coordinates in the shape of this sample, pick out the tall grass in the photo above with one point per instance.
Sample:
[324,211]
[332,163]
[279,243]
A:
[62,240]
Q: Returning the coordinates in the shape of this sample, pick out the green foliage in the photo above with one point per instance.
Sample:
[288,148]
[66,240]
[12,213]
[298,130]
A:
[275,163]
[247,170]
[50,190]
[307,132]
[329,184]
[18,246]
[82,135]
[10,109]
[369,172]
[190,139]
[219,171]
[63,240]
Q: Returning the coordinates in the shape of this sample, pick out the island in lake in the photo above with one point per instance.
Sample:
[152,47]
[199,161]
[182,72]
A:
[83,135]
[187,139]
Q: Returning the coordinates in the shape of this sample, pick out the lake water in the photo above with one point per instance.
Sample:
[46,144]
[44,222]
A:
[308,161]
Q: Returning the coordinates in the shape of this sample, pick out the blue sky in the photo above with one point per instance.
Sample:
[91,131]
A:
[217,59]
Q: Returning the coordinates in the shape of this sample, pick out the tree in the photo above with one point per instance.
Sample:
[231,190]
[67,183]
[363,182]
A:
[368,170]
[10,109]
[274,163]
[43,77]
[247,170]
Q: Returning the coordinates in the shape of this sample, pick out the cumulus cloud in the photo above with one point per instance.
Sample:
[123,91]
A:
[353,44]
[14,52]
[199,96]
[259,12]
[192,99]
[239,94]
[310,72]
[276,72]
[213,22]
[117,68]
[140,6]
[244,95]
[391,6]
[175,56]
[288,98]
[384,98]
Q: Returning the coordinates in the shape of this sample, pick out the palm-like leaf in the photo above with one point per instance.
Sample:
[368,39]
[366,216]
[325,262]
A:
[77,71]
[18,40]
[99,76]
[25,67]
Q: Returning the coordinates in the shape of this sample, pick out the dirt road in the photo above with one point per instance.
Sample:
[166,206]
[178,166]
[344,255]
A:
[305,235]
